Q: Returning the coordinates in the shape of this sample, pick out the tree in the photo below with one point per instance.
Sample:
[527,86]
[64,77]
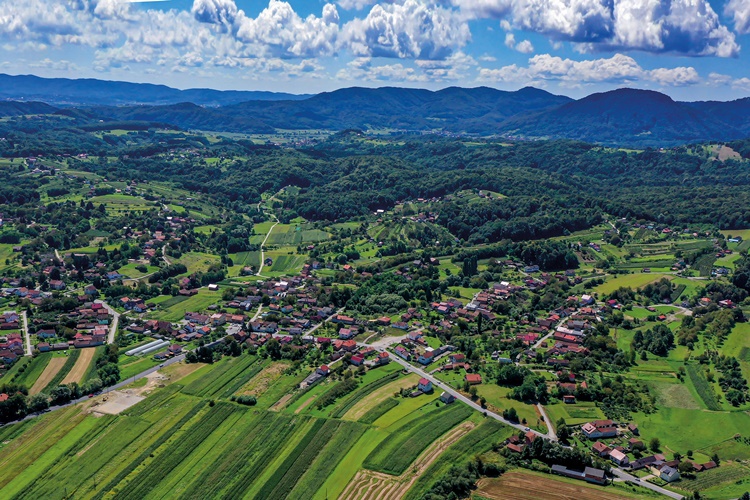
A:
[654,444]
[38,403]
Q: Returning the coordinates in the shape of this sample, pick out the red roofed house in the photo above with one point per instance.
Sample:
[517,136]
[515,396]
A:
[473,378]
[424,385]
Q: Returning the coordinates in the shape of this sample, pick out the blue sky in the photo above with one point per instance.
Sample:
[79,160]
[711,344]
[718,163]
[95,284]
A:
[689,49]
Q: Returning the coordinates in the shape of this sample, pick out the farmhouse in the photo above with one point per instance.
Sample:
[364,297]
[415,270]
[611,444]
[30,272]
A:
[447,398]
[589,474]
[473,378]
[599,429]
[424,385]
[619,457]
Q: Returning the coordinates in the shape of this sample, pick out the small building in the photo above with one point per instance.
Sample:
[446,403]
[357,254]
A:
[669,474]
[323,370]
[601,449]
[569,399]
[447,398]
[424,385]
[473,378]
[619,457]
[213,287]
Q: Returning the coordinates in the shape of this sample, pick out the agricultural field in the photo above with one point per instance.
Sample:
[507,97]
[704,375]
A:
[131,272]
[196,261]
[120,203]
[526,485]
[243,259]
[296,234]
[635,281]
[175,310]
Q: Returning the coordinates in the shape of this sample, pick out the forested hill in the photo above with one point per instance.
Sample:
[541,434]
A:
[623,117]
[640,117]
[87,92]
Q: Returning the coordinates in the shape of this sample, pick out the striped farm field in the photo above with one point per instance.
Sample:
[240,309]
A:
[49,373]
[77,373]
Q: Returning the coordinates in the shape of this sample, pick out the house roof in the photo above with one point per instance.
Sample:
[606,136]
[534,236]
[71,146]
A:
[423,381]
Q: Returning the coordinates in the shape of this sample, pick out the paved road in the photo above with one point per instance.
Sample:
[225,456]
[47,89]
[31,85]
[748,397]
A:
[26,335]
[445,387]
[115,322]
[632,479]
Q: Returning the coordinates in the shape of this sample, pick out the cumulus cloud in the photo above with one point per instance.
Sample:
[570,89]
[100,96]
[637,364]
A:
[617,69]
[524,46]
[283,33]
[220,12]
[739,10]
[407,30]
[61,65]
[689,27]
[355,4]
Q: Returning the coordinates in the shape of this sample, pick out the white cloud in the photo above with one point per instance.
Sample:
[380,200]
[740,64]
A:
[61,65]
[524,46]
[741,84]
[283,33]
[688,27]
[739,10]
[450,69]
[617,69]
[407,30]
[355,4]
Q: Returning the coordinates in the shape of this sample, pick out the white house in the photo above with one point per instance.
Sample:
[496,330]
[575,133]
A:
[424,385]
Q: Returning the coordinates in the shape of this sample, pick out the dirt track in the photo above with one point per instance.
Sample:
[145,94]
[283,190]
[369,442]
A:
[81,367]
[371,485]
[517,485]
[54,366]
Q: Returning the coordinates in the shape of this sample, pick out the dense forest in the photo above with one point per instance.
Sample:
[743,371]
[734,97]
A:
[548,188]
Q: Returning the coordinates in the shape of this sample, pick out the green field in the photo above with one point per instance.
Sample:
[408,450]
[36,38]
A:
[403,448]
[197,262]
[32,369]
[130,270]
[119,203]
[295,234]
[634,281]
[175,310]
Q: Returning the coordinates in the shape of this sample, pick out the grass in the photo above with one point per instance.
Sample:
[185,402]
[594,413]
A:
[197,262]
[576,414]
[378,411]
[197,303]
[478,440]
[69,363]
[33,369]
[131,272]
[352,461]
[635,281]
[728,480]
[702,387]
[226,377]
[682,429]
[395,456]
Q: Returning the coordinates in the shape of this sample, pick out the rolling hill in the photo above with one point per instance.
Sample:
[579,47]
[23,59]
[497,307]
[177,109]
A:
[92,92]
[627,117]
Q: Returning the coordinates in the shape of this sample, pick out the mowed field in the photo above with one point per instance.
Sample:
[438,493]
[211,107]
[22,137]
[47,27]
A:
[49,373]
[518,485]
[634,281]
[188,439]
[295,234]
[119,203]
[79,370]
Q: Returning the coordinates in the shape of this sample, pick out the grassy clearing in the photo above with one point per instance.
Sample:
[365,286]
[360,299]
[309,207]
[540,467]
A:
[634,281]
[198,262]
[175,310]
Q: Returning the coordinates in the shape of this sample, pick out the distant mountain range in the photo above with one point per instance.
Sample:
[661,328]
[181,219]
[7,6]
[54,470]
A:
[620,117]
[88,92]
